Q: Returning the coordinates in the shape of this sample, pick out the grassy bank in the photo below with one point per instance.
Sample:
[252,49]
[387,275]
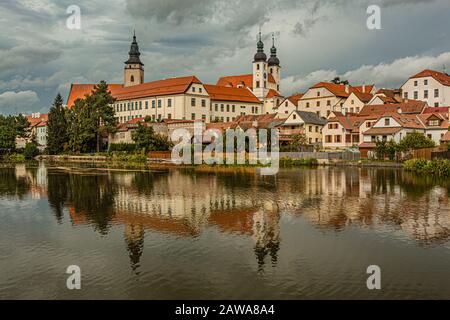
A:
[440,168]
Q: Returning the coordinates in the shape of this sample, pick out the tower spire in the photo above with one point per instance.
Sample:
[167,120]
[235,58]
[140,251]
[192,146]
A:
[273,60]
[134,54]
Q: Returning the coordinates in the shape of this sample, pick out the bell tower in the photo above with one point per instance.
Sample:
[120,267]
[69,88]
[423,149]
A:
[260,77]
[134,68]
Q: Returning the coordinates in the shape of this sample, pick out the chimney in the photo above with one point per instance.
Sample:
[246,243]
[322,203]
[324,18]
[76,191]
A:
[347,88]
[364,88]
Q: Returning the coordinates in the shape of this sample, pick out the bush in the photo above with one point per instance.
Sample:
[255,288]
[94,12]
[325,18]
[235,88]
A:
[440,167]
[15,157]
[122,147]
[136,158]
[289,162]
[31,150]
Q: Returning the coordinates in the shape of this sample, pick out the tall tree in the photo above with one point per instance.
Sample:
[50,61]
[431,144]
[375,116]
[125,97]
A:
[57,128]
[90,118]
[101,112]
[12,127]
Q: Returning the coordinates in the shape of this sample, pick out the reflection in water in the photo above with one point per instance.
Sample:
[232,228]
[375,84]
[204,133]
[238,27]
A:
[185,205]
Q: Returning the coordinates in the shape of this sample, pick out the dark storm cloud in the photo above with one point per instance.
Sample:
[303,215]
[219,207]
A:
[316,40]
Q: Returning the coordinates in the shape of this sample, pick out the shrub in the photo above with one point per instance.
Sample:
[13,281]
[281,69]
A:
[122,147]
[31,150]
[440,167]
[289,162]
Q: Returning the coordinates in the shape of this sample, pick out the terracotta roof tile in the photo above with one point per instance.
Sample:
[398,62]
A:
[234,81]
[221,93]
[446,137]
[442,78]
[79,91]
[156,88]
[386,130]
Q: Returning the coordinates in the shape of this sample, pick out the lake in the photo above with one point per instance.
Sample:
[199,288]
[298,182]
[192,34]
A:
[181,234]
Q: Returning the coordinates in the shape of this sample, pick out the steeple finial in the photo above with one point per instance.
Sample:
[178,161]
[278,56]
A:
[134,54]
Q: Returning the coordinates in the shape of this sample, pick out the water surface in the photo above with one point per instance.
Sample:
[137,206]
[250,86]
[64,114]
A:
[303,234]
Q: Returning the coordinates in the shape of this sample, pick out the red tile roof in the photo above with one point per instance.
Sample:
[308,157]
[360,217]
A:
[339,89]
[442,117]
[245,79]
[272,93]
[446,137]
[436,110]
[221,93]
[409,107]
[350,123]
[79,91]
[384,130]
[295,98]
[36,121]
[363,97]
[156,88]
[442,78]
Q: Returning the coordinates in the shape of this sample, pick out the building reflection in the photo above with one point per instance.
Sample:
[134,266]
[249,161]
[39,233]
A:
[183,204]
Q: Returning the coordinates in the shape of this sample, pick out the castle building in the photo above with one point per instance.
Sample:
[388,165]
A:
[187,98]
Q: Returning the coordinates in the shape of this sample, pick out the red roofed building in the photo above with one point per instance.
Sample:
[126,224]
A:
[326,97]
[288,105]
[430,86]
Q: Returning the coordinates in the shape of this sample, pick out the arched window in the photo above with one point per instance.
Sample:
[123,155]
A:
[132,79]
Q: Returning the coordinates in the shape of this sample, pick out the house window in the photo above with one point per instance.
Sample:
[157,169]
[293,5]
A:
[159,103]
[228,108]
[153,104]
[433,123]
[132,78]
[436,93]
[353,102]
[405,95]
[328,103]
[330,126]
[216,107]
[307,104]
[203,103]
[415,83]
[338,138]
[193,102]
[318,103]
[233,108]
[222,108]
[169,116]
[387,122]
[200,90]
[425,82]
[436,104]
[169,102]
[368,124]
[146,104]
[193,116]
[310,129]
[318,93]
[294,117]
[328,139]
[425,94]
[317,128]
[193,89]
[416,95]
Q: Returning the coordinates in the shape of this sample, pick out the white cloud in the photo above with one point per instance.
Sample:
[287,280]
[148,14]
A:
[383,74]
[20,101]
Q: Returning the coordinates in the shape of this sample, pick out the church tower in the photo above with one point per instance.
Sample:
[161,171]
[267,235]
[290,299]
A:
[260,76]
[134,68]
[274,65]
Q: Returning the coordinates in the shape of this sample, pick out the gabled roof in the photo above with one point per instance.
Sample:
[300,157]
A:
[79,91]
[311,118]
[272,93]
[441,77]
[363,97]
[35,121]
[383,130]
[410,121]
[221,93]
[295,98]
[156,88]
[339,90]
[350,123]
[442,117]
[244,79]
[436,110]
[446,137]
[407,107]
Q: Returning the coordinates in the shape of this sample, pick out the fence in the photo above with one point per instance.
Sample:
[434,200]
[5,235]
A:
[440,155]
[427,153]
[160,154]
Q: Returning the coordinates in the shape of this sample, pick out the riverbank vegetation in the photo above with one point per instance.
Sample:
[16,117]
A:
[440,167]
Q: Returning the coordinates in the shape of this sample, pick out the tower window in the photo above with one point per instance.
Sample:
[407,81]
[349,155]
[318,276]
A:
[257,84]
[132,79]
[271,70]
[257,67]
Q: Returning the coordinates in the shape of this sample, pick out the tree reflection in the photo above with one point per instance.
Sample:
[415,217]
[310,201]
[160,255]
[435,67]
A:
[57,192]
[13,185]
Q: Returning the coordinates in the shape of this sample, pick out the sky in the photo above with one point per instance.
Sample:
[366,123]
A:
[317,40]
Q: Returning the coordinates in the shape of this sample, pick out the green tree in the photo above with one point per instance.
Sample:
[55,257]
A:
[146,139]
[57,128]
[31,150]
[12,127]
[385,149]
[298,142]
[90,119]
[415,140]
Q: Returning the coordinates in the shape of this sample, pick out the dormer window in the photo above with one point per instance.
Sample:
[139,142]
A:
[433,123]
